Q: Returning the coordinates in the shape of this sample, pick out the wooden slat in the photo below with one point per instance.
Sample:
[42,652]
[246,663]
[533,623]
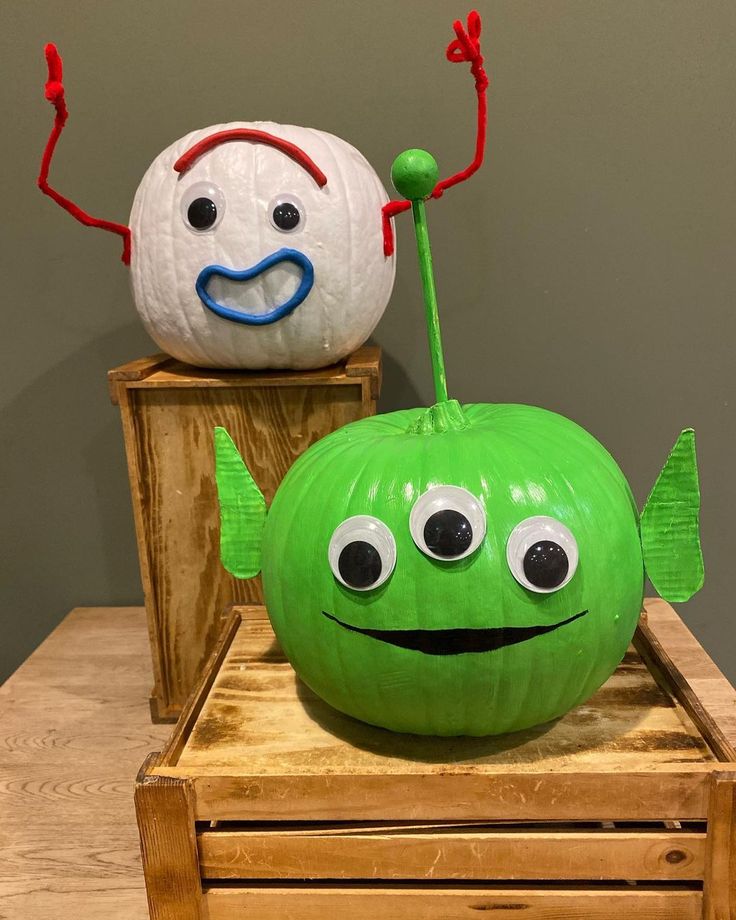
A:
[119,377]
[482,855]
[719,890]
[230,626]
[366,363]
[177,375]
[693,677]
[168,846]
[138,369]
[652,796]
[158,700]
[162,370]
[254,613]
[303,903]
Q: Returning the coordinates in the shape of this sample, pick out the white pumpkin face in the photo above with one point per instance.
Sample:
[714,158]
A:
[247,258]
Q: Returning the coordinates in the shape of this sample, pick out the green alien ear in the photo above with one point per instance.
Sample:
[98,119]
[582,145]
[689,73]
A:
[242,510]
[670,534]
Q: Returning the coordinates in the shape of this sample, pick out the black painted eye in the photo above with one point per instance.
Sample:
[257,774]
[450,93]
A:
[447,523]
[202,213]
[202,206]
[448,533]
[362,552]
[546,564]
[359,564]
[542,554]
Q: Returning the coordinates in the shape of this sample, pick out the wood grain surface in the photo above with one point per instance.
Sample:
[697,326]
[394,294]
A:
[677,657]
[74,728]
[260,719]
[448,853]
[720,870]
[168,413]
[264,748]
[368,903]
[165,812]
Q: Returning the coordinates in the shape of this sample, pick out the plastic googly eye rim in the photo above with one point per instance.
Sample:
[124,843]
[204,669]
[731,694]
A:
[371,530]
[530,531]
[444,497]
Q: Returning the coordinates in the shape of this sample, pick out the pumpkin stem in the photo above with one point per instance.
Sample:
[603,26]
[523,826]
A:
[444,416]
[414,175]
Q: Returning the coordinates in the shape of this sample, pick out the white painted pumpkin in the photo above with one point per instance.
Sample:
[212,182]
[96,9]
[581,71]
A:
[205,317]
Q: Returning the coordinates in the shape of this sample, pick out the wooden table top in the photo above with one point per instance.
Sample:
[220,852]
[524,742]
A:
[74,729]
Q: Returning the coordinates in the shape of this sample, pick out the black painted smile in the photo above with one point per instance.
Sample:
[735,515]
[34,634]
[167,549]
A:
[456,641]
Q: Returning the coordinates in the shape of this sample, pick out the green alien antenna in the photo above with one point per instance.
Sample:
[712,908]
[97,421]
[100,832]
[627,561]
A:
[414,175]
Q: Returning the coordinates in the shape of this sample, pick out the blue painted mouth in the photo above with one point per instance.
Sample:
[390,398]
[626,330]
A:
[257,319]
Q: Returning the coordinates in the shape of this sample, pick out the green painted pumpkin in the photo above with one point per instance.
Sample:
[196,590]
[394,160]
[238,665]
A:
[458,570]
[410,570]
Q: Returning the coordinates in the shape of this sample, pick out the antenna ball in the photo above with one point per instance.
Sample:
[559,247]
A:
[414,174]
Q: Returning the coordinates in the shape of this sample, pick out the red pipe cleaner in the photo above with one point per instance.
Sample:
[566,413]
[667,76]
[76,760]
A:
[55,94]
[189,158]
[465,47]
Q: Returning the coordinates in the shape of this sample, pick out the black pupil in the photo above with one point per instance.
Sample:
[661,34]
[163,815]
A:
[359,564]
[286,215]
[546,564]
[202,213]
[448,533]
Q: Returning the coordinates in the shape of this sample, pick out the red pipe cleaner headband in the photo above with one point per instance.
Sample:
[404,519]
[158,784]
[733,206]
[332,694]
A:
[188,159]
[55,94]
[465,47]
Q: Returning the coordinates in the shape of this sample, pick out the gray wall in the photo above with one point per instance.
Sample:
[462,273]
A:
[588,268]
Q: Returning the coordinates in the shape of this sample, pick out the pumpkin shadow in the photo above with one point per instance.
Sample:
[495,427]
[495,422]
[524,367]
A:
[418,748]
[609,722]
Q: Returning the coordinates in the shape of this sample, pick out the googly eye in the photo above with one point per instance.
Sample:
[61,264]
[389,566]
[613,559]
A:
[542,554]
[362,552]
[447,523]
[286,213]
[202,206]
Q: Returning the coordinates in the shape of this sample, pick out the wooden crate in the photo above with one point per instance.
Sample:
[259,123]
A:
[168,412]
[269,804]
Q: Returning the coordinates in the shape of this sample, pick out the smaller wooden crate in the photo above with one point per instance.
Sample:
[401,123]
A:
[168,412]
[269,804]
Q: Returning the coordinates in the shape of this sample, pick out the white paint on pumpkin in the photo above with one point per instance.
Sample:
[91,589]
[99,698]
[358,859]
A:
[341,234]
